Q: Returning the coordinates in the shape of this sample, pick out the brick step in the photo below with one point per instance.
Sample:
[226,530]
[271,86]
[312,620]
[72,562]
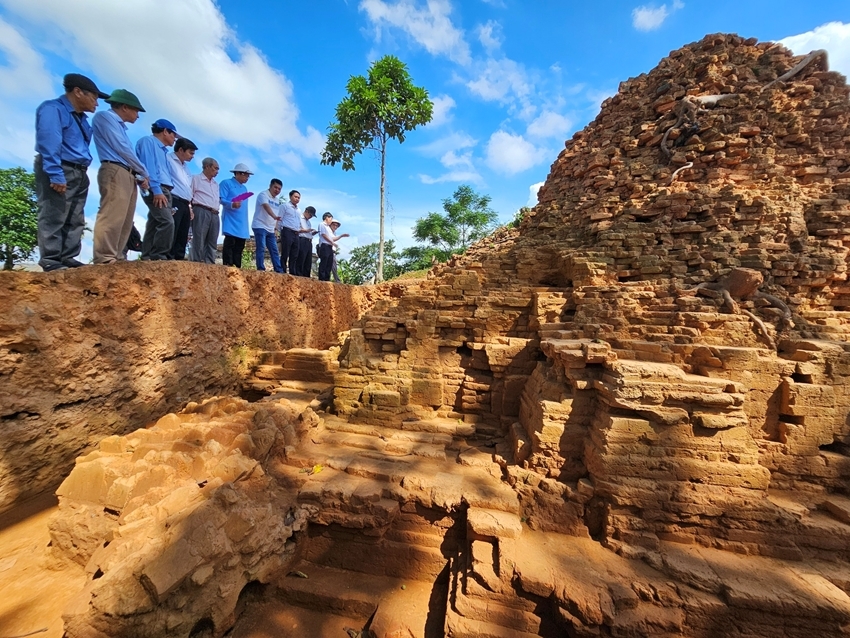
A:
[366,463]
[279,618]
[451,427]
[390,446]
[434,482]
[311,372]
[458,626]
[374,556]
[549,327]
[336,424]
[337,591]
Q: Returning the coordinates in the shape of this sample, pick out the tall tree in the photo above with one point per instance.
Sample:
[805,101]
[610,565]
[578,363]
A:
[18,216]
[467,218]
[381,107]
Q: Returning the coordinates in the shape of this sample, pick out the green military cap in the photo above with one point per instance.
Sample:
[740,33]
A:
[123,96]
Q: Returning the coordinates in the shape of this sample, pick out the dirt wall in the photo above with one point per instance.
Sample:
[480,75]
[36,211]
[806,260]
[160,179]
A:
[104,350]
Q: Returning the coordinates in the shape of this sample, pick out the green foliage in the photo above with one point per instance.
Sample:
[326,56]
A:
[467,218]
[519,216]
[18,216]
[382,106]
[362,263]
[421,257]
[249,259]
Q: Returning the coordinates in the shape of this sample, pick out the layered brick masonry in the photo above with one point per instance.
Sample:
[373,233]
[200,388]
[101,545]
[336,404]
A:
[599,339]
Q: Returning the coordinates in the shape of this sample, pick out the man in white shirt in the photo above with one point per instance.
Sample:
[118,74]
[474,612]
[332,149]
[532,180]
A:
[334,227]
[327,243]
[266,217]
[305,243]
[181,194]
[290,231]
[206,222]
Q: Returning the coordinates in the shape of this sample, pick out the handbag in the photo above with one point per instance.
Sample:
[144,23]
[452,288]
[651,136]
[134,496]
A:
[134,242]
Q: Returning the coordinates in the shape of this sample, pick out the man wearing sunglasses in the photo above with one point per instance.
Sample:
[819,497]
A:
[62,138]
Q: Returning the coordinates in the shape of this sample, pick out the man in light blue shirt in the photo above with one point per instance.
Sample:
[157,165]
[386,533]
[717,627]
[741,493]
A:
[290,231]
[159,230]
[116,178]
[234,216]
[62,137]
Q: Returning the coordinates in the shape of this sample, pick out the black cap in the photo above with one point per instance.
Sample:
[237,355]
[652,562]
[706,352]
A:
[75,80]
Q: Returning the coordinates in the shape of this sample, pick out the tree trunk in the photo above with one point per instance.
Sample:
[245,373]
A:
[379,272]
[8,257]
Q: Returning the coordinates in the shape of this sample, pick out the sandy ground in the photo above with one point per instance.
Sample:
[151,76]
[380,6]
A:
[33,589]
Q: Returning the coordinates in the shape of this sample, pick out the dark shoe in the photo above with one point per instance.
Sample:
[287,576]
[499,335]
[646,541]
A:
[55,268]
[73,263]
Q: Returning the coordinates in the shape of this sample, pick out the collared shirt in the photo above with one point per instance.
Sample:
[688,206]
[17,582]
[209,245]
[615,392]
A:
[326,235]
[234,221]
[109,132]
[306,225]
[181,178]
[154,155]
[61,135]
[262,219]
[205,191]
[290,216]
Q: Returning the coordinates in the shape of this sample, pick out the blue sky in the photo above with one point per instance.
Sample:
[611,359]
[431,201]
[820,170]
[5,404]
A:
[258,82]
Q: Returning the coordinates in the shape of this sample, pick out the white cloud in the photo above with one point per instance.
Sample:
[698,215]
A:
[443,104]
[450,142]
[510,154]
[832,36]
[25,73]
[549,124]
[490,35]
[532,194]
[456,177]
[452,154]
[649,18]
[22,77]
[227,90]
[501,80]
[429,25]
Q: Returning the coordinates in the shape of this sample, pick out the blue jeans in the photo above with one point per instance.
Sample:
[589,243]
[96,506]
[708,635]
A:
[265,239]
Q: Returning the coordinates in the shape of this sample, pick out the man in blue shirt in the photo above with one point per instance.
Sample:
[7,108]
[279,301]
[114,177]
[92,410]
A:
[62,137]
[234,216]
[153,151]
[117,176]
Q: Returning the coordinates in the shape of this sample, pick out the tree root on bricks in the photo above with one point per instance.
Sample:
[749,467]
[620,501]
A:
[718,289]
[814,55]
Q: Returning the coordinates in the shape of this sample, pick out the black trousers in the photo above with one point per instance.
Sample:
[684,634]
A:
[159,229]
[289,250]
[326,261]
[305,256]
[231,251]
[181,227]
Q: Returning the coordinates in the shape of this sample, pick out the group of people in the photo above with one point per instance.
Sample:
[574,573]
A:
[177,201]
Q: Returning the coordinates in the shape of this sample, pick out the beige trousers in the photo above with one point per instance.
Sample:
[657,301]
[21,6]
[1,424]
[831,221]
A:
[115,216]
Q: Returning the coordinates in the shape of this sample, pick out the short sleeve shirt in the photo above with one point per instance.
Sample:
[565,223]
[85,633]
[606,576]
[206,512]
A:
[261,217]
